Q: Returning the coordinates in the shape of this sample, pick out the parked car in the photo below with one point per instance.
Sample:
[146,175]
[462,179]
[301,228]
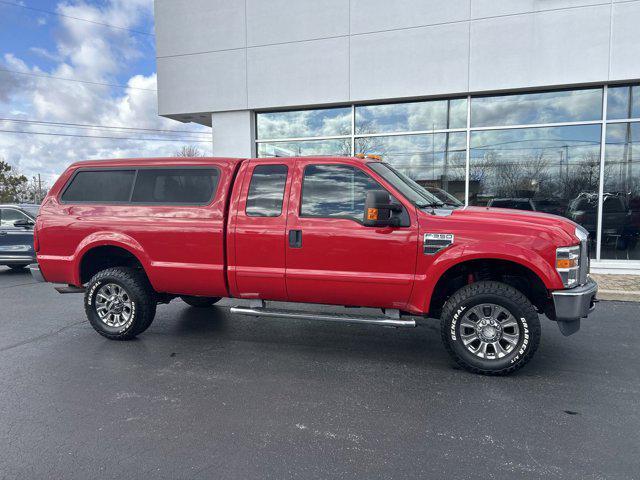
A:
[16,235]
[343,231]
[514,203]
[553,206]
[618,229]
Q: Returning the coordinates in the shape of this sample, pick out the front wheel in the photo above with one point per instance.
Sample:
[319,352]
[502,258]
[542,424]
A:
[120,303]
[490,328]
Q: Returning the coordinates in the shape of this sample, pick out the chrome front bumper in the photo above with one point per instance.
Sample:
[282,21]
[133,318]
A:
[572,304]
[34,268]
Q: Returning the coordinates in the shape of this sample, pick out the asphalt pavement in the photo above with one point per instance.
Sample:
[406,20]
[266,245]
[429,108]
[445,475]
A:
[205,394]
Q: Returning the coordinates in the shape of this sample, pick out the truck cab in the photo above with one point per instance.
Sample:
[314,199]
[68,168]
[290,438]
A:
[344,231]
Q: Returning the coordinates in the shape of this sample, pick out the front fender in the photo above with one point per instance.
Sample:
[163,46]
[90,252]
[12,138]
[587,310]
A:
[111,239]
[449,258]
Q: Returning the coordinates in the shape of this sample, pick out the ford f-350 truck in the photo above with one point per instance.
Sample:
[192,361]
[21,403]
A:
[134,233]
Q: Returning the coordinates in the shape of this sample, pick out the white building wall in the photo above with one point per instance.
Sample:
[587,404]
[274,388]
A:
[239,55]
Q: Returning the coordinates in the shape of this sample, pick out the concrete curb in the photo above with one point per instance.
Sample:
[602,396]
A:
[620,295]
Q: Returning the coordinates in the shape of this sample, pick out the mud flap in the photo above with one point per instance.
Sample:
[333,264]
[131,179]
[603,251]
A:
[569,328]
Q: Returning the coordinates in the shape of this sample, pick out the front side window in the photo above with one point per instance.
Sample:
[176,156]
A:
[335,191]
[8,216]
[266,191]
[175,185]
[100,186]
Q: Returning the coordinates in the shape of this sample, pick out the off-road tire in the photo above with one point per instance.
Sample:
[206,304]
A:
[143,300]
[200,302]
[499,294]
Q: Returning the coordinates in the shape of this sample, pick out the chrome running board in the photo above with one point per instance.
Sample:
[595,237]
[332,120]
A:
[387,321]
[69,289]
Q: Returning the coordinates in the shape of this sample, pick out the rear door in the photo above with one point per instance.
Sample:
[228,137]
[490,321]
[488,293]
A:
[331,256]
[260,224]
[15,242]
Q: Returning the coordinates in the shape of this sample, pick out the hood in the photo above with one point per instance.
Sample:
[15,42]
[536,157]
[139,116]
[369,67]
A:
[506,224]
[505,218]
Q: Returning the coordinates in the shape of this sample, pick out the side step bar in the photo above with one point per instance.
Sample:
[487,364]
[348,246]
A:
[264,312]
[69,289]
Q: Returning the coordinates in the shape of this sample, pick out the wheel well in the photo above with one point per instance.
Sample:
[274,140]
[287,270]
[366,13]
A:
[107,256]
[511,273]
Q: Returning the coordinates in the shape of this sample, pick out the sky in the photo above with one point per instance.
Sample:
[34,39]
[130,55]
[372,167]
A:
[71,43]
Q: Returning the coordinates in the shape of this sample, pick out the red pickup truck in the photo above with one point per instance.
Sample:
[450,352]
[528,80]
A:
[354,232]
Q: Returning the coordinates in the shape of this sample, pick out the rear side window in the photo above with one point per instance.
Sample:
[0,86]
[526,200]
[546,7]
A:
[175,185]
[335,191]
[266,191]
[100,186]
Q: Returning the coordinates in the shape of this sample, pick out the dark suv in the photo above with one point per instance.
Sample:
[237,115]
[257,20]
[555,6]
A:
[16,235]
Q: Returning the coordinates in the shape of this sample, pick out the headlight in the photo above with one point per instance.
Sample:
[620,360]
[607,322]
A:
[568,264]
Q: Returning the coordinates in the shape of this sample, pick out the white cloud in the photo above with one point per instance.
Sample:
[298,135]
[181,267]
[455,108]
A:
[89,52]
[46,54]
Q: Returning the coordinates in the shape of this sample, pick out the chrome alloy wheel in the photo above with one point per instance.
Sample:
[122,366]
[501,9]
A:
[113,305]
[489,331]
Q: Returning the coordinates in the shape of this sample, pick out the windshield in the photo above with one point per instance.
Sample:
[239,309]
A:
[445,196]
[411,190]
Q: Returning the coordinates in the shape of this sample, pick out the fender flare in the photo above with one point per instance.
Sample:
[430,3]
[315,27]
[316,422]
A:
[109,239]
[517,254]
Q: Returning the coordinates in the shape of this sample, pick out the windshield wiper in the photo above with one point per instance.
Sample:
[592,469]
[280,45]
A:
[429,204]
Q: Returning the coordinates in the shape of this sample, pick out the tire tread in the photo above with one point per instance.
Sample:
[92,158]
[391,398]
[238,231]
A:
[493,288]
[138,285]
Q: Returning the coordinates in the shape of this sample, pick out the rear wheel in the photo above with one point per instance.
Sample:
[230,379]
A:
[200,302]
[490,328]
[120,303]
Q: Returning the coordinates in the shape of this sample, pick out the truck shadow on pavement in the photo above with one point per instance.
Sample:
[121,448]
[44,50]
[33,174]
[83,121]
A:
[309,340]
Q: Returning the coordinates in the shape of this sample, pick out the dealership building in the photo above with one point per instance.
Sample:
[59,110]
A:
[531,104]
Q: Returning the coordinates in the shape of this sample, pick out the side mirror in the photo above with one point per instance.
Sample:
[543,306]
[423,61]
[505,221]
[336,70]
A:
[379,210]
[23,223]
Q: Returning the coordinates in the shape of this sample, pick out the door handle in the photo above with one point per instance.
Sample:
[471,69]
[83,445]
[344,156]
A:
[295,238]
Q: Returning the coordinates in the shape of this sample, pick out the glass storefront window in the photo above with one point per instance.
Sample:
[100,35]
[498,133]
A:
[435,161]
[549,169]
[304,123]
[412,116]
[305,148]
[513,164]
[623,102]
[621,200]
[537,108]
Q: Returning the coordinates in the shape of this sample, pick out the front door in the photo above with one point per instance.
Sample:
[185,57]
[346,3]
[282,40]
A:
[259,237]
[331,256]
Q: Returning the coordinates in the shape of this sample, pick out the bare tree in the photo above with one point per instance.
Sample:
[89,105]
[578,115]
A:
[34,190]
[188,151]
[11,183]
